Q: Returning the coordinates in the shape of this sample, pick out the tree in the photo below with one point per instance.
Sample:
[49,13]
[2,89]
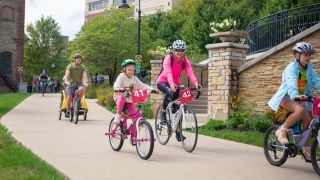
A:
[44,45]
[108,39]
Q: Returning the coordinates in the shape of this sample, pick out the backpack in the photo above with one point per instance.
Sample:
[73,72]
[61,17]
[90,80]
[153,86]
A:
[172,60]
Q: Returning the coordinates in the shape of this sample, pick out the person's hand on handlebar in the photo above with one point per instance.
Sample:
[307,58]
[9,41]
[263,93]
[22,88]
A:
[173,88]
[198,86]
[301,97]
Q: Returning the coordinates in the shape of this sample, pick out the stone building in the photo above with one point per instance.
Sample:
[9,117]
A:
[11,43]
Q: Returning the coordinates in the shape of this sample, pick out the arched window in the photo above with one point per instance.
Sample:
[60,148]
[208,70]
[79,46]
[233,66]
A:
[7,13]
[6,63]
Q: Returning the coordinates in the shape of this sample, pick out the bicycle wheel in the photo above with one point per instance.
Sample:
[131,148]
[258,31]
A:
[115,140]
[85,115]
[275,152]
[315,155]
[189,129]
[163,132]
[76,109]
[145,140]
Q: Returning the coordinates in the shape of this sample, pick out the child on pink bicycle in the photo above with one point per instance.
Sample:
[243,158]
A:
[124,80]
[298,80]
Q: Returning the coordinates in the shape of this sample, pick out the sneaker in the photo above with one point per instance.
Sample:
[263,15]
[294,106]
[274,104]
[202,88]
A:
[163,118]
[281,136]
[117,119]
[178,136]
[67,114]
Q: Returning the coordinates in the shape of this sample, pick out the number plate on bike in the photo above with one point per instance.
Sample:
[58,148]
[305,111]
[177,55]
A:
[316,106]
[185,96]
[140,96]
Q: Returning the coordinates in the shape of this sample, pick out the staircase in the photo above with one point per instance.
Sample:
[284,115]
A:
[200,106]
[6,83]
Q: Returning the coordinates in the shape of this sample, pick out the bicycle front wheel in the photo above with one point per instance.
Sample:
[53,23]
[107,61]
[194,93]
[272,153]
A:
[315,155]
[274,151]
[144,140]
[115,139]
[163,132]
[76,109]
[188,129]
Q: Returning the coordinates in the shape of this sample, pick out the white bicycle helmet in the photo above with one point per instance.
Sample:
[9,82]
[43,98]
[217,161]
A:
[179,44]
[303,47]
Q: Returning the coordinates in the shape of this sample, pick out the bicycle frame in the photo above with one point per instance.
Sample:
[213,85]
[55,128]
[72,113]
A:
[132,130]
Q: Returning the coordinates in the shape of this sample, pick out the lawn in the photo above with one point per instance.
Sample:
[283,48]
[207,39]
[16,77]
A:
[17,162]
[247,137]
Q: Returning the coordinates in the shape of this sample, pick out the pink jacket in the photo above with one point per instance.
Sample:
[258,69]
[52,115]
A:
[171,75]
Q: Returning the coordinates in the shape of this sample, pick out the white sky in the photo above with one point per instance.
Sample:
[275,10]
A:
[68,13]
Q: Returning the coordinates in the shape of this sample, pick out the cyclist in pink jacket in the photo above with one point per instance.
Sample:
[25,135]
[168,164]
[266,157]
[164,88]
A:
[169,77]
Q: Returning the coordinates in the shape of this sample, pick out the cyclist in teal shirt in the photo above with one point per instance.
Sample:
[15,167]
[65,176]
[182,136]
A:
[298,80]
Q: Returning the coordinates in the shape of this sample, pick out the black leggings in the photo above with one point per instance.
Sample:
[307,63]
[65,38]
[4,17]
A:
[165,89]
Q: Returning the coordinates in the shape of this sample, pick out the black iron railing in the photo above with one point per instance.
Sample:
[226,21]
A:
[272,30]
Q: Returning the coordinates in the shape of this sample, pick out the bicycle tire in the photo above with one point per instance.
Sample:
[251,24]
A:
[85,116]
[163,133]
[270,135]
[113,145]
[77,108]
[145,155]
[314,153]
[189,130]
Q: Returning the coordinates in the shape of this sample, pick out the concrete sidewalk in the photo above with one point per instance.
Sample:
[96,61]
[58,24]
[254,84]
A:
[82,151]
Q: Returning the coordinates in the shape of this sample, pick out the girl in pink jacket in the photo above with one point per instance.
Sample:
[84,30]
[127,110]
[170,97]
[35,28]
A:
[169,78]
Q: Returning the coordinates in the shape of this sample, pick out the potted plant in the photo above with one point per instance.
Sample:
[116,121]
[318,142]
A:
[225,30]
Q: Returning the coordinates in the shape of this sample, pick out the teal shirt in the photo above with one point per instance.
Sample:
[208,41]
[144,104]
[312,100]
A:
[289,84]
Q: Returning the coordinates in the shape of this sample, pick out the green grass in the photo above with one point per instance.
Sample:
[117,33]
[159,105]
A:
[17,162]
[247,137]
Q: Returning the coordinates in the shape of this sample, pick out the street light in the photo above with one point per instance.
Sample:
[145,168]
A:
[53,66]
[138,57]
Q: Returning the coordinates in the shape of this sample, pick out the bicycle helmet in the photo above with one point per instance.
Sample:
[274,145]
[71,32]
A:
[179,44]
[127,62]
[303,47]
[77,55]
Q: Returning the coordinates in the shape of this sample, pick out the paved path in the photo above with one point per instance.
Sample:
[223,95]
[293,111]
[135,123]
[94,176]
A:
[82,151]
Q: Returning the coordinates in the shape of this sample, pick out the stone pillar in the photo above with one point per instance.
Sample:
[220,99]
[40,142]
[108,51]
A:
[224,59]
[156,99]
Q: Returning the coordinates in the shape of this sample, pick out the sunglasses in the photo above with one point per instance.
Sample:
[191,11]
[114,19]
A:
[179,50]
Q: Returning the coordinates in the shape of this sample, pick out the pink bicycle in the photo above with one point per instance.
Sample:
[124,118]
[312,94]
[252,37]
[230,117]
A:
[140,131]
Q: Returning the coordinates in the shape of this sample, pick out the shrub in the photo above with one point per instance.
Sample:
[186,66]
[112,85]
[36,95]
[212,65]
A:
[260,123]
[105,96]
[277,117]
[91,91]
[215,125]
[146,110]
[239,119]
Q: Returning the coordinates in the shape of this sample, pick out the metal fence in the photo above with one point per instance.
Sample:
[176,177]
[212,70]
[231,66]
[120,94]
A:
[272,30]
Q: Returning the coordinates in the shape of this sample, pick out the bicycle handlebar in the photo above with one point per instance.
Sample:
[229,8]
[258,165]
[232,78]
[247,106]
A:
[154,91]
[309,99]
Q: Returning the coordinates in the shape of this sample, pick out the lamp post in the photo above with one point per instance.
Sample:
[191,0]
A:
[138,57]
[53,66]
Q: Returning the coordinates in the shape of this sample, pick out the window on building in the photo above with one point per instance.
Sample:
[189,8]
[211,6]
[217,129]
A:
[169,4]
[96,5]
[7,13]
[118,2]
[6,63]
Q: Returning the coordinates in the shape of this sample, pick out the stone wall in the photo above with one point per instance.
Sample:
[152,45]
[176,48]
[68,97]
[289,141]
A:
[258,83]
[225,58]
[12,33]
